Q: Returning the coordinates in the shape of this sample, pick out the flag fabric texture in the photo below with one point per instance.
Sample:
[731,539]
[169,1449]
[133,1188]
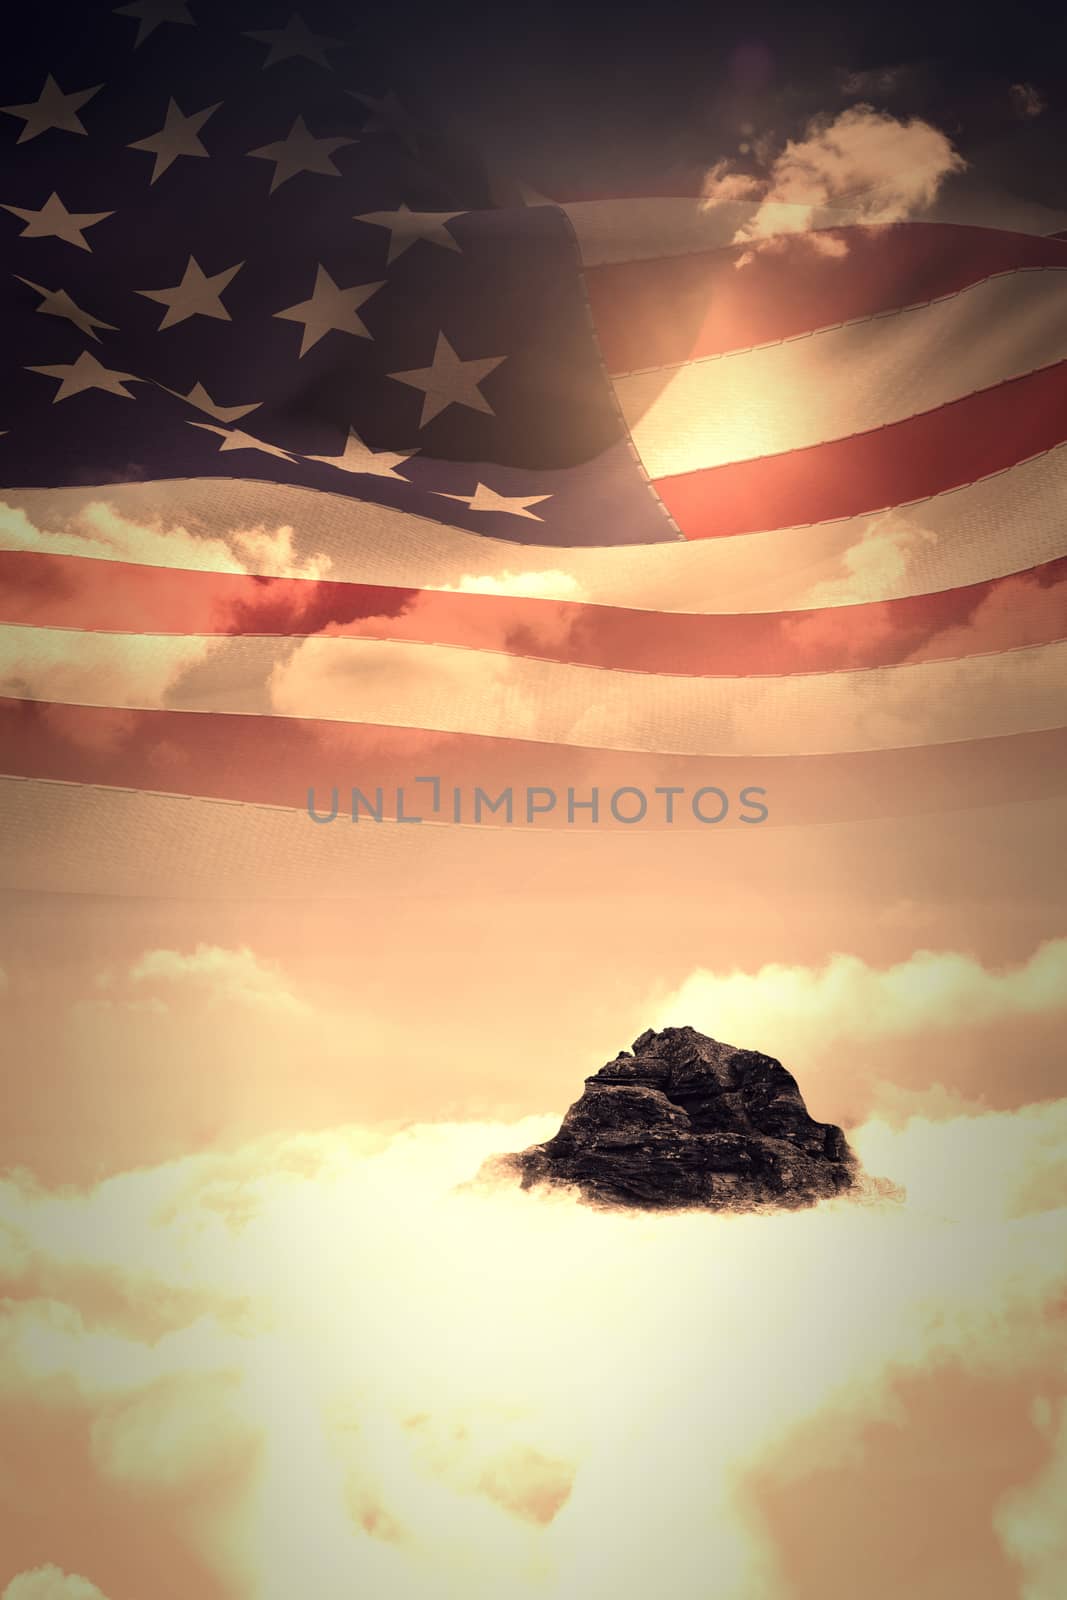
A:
[323,468]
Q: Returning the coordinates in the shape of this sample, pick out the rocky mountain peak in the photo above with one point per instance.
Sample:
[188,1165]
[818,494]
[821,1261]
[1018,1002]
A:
[683,1120]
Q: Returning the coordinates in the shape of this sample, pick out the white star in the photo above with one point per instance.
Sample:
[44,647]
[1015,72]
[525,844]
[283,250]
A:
[199,398]
[53,109]
[195,296]
[58,303]
[295,39]
[330,307]
[54,221]
[450,381]
[406,227]
[389,116]
[358,457]
[177,137]
[87,373]
[486,499]
[152,14]
[234,439]
[300,151]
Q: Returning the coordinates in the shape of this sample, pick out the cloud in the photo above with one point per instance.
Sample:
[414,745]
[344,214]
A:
[1027,101]
[99,530]
[61,664]
[433,1391]
[1030,1520]
[227,977]
[408,683]
[550,584]
[50,1583]
[994,624]
[976,1165]
[932,991]
[180,1429]
[874,165]
[927,1035]
[270,553]
[892,556]
[889,552]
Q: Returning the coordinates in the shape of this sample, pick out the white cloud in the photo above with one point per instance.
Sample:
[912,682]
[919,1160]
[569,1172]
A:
[1030,1519]
[550,584]
[177,1430]
[793,1010]
[231,977]
[891,550]
[872,164]
[976,1166]
[270,553]
[50,1583]
[99,530]
[409,685]
[487,1392]
[101,669]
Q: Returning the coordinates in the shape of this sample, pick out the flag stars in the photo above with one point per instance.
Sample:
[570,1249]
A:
[58,303]
[360,458]
[450,381]
[151,14]
[486,499]
[329,308]
[295,40]
[406,227]
[195,296]
[235,439]
[200,400]
[300,151]
[87,373]
[52,109]
[54,221]
[179,136]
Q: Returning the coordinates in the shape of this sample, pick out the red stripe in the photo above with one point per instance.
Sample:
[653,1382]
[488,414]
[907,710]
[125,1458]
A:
[1026,608]
[275,760]
[667,311]
[925,455]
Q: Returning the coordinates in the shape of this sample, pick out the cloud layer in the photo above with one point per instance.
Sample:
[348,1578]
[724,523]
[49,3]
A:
[328,1369]
[50,1583]
[876,166]
[939,990]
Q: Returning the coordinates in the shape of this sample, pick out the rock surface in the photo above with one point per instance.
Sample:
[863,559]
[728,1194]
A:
[684,1121]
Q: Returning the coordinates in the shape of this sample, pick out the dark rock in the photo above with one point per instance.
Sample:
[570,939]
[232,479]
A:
[684,1121]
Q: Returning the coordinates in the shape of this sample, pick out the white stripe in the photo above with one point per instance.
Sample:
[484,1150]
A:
[448,689]
[641,229]
[67,838]
[843,381]
[1002,524]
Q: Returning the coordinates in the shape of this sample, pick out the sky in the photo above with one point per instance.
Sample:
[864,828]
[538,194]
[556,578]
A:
[259,1337]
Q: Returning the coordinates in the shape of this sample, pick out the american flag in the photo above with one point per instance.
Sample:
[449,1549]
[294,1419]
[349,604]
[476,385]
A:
[329,461]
